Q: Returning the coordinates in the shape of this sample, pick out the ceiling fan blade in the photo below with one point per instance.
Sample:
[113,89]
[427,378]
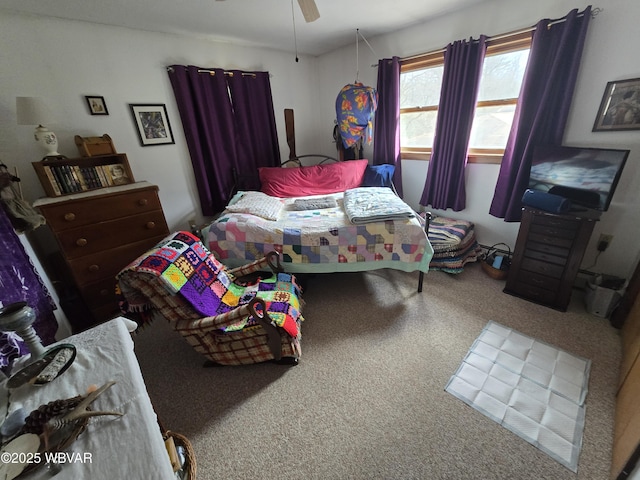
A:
[309,10]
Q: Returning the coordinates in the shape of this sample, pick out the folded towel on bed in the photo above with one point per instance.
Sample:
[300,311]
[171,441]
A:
[314,203]
[375,204]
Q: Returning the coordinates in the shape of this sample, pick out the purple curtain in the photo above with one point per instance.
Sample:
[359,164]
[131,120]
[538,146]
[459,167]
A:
[444,187]
[256,138]
[386,138]
[224,133]
[543,108]
[20,282]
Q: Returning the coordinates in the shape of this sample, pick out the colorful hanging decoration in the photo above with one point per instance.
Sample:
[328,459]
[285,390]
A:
[355,107]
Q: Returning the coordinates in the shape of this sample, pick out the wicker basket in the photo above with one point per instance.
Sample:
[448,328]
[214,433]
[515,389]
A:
[489,257]
[190,463]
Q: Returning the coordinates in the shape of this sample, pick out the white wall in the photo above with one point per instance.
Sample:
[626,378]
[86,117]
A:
[61,61]
[610,54]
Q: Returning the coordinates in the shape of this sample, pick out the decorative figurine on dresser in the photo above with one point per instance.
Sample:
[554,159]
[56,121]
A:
[100,225]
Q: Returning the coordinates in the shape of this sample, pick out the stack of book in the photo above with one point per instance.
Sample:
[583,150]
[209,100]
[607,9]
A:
[66,179]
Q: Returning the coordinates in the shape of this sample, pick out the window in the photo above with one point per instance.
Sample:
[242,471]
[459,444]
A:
[501,78]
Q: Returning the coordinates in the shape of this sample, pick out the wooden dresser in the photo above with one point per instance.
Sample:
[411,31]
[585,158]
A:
[99,232]
[547,257]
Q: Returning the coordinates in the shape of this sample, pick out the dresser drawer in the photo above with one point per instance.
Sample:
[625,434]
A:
[557,250]
[101,236]
[544,268]
[553,232]
[76,213]
[556,222]
[545,257]
[106,264]
[100,293]
[530,292]
[539,281]
[552,241]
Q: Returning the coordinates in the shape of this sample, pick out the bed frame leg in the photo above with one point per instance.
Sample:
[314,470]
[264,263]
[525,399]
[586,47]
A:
[427,220]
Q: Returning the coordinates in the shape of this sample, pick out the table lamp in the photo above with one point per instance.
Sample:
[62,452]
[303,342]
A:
[33,111]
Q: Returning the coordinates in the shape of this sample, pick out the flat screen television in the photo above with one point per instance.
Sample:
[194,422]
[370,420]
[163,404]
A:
[586,176]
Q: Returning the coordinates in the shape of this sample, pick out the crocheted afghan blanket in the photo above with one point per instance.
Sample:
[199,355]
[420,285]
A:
[186,267]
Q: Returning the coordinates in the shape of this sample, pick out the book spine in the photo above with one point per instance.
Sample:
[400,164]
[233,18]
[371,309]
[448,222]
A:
[57,171]
[77,175]
[71,182]
[52,179]
[101,177]
[91,173]
[106,169]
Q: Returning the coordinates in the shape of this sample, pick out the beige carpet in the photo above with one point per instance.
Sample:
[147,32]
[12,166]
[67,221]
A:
[367,400]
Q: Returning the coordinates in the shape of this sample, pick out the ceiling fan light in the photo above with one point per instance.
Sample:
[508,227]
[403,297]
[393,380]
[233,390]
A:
[309,10]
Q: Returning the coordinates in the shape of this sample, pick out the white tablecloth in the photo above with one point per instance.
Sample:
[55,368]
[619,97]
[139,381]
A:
[127,447]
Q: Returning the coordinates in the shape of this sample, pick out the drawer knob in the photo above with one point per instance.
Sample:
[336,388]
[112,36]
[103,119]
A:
[142,202]
[151,225]
[94,268]
[81,242]
[69,217]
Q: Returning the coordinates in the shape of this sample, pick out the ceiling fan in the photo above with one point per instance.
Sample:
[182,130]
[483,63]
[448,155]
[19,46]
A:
[309,10]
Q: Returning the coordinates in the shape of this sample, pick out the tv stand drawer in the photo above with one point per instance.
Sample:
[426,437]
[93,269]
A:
[547,256]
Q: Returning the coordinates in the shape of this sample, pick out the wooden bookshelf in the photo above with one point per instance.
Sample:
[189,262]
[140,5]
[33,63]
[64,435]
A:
[66,176]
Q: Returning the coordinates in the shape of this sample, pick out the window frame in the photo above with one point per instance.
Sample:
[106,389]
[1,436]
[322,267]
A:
[509,42]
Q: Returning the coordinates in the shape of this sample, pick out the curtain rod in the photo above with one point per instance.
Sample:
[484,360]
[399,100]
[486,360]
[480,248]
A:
[594,13]
[212,72]
[228,74]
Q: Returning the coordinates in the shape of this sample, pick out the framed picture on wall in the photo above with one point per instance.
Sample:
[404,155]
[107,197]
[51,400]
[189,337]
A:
[620,106]
[97,106]
[152,123]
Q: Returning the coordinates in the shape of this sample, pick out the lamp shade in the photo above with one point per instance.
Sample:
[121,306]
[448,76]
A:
[32,111]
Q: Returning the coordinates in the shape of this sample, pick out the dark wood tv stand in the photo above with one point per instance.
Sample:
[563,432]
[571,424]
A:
[547,256]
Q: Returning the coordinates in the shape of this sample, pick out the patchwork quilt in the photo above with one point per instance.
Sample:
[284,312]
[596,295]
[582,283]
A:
[321,240]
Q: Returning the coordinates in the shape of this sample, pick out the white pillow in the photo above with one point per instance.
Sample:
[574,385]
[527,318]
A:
[259,204]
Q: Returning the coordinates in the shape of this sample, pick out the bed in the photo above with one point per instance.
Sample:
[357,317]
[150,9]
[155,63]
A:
[324,218]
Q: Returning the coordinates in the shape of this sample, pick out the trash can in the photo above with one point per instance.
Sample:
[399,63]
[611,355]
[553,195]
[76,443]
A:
[603,294]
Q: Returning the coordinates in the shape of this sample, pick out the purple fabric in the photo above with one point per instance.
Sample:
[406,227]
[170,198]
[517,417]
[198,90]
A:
[256,136]
[220,140]
[444,187]
[542,111]
[386,138]
[20,282]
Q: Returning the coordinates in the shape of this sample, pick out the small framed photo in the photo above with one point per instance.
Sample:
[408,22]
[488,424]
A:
[152,123]
[620,106]
[97,106]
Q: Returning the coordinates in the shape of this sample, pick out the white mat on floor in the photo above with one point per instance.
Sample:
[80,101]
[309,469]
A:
[529,387]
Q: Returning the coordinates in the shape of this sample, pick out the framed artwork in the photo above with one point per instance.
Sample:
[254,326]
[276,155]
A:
[620,106]
[97,106]
[152,123]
